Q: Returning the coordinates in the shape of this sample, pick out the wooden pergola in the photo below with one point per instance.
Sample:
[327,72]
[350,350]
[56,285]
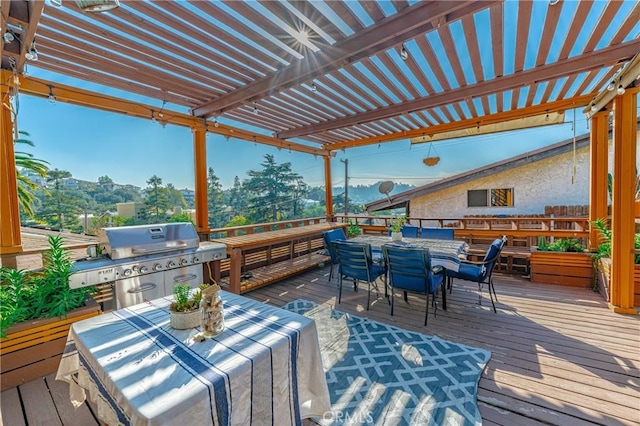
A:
[322,76]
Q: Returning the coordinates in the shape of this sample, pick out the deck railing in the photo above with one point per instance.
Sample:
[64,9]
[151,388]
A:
[234,231]
[484,226]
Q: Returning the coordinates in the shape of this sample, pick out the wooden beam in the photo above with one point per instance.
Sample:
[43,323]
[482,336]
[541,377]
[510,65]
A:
[10,238]
[404,25]
[328,189]
[623,203]
[76,96]
[556,106]
[608,56]
[201,187]
[599,161]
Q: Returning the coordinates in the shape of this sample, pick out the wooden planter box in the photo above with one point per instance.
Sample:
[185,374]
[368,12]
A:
[571,269]
[33,349]
[604,274]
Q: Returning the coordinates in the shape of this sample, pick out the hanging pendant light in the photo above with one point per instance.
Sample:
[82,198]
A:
[97,5]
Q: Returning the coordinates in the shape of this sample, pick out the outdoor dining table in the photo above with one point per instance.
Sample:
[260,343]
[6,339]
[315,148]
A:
[265,367]
[446,253]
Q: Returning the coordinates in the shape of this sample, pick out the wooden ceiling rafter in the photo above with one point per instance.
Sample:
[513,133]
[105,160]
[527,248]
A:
[392,68]
[298,108]
[71,36]
[496,14]
[548,32]
[433,61]
[404,25]
[307,9]
[522,33]
[586,62]
[577,22]
[605,20]
[28,35]
[380,75]
[418,74]
[471,38]
[632,20]
[248,55]
[452,54]
[100,61]
[347,16]
[166,41]
[380,90]
[556,106]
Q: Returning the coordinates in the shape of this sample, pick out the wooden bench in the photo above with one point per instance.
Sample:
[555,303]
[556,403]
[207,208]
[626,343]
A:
[271,256]
[509,254]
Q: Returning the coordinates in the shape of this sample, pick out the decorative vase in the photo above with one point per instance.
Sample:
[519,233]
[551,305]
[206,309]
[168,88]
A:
[211,312]
[184,320]
[396,237]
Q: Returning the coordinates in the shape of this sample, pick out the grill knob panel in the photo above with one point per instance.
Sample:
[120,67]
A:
[196,259]
[183,261]
[144,269]
[171,264]
[127,272]
[157,267]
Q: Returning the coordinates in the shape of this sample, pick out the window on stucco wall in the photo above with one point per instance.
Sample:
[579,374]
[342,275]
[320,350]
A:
[502,197]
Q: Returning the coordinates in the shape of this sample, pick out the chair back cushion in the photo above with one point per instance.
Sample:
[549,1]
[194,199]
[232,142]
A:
[355,260]
[329,237]
[437,233]
[410,231]
[410,268]
[493,254]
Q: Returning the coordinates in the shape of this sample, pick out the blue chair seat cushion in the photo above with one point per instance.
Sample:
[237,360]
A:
[468,272]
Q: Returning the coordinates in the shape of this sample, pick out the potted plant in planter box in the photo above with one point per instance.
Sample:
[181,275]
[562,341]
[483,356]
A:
[563,262]
[396,227]
[36,310]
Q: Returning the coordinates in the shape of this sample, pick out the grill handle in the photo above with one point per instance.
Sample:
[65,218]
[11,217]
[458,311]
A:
[158,250]
[143,287]
[184,278]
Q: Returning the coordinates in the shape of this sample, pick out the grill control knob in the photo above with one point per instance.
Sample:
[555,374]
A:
[144,269]
[157,267]
[196,259]
[171,264]
[127,272]
[183,261]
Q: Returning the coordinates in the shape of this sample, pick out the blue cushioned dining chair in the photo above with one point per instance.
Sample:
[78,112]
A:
[410,231]
[328,237]
[410,269]
[481,272]
[355,262]
[437,233]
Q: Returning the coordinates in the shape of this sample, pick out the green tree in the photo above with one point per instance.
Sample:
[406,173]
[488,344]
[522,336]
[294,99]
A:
[176,199]
[156,198]
[216,199]
[105,181]
[237,197]
[26,163]
[56,176]
[273,190]
[237,221]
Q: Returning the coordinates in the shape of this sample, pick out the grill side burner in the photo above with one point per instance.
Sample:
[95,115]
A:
[145,261]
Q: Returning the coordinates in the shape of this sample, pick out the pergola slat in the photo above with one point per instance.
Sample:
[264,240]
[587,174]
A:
[471,38]
[452,54]
[603,23]
[576,26]
[548,32]
[522,34]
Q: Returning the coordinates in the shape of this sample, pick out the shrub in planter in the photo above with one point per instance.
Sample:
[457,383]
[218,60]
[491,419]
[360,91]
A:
[26,295]
[562,262]
[33,339]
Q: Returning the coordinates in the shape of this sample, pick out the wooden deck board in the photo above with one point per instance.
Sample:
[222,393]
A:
[559,355]
[69,415]
[11,408]
[38,404]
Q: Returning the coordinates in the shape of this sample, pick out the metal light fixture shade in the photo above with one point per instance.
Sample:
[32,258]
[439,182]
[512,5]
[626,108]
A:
[97,5]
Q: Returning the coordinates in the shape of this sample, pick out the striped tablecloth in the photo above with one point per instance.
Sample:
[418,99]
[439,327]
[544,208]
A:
[265,368]
[445,253]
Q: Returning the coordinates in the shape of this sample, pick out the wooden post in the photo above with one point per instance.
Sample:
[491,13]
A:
[201,187]
[10,238]
[623,203]
[599,162]
[328,188]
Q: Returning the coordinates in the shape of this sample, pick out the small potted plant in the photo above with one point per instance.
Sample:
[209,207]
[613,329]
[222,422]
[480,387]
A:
[184,311]
[396,228]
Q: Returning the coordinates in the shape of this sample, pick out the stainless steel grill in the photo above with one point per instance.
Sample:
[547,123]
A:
[145,262]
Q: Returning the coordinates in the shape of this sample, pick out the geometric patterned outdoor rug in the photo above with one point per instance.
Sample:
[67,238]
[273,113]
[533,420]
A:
[383,375]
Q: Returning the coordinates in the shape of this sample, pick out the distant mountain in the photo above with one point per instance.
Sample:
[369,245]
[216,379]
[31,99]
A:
[360,194]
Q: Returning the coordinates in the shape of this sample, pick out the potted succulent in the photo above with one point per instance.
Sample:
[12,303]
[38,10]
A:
[564,262]
[184,311]
[396,227]
[36,310]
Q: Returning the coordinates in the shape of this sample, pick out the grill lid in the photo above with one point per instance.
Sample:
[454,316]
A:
[131,241]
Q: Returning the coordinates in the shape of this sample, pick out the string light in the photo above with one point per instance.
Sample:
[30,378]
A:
[547,117]
[620,90]
[314,88]
[215,122]
[51,97]
[404,53]
[611,86]
[255,108]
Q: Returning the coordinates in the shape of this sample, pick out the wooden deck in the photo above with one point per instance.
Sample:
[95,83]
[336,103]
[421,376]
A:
[559,356]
